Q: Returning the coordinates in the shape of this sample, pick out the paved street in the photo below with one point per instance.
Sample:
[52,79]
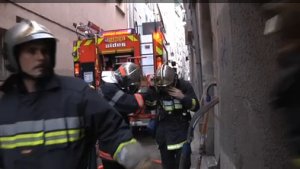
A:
[148,142]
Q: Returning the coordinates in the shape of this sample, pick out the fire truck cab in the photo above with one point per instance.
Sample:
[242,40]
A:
[97,53]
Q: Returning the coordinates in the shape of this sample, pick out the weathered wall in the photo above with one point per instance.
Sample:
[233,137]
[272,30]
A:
[59,18]
[250,134]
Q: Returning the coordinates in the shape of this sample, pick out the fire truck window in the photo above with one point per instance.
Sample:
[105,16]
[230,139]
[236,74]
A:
[109,65]
[113,61]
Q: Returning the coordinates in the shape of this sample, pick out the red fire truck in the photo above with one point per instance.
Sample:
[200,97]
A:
[98,53]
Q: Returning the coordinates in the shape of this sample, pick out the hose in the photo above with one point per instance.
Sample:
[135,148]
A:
[205,121]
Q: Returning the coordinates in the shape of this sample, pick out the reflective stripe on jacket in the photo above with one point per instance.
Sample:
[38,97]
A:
[57,125]
[41,132]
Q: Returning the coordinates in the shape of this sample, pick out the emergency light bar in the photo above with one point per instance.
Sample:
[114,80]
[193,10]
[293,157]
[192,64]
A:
[93,26]
[118,32]
[80,26]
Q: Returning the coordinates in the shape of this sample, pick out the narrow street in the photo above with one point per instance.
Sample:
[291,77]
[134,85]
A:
[147,34]
[233,47]
[148,142]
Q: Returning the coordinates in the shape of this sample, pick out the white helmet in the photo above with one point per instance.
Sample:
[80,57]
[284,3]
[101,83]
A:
[25,31]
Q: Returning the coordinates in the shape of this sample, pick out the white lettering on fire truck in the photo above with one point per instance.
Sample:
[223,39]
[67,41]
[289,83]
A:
[115,45]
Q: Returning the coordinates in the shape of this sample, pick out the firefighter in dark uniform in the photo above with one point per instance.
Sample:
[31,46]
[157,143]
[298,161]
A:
[176,99]
[120,90]
[49,121]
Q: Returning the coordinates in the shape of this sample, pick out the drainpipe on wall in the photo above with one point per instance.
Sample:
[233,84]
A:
[198,67]
[205,32]
[191,61]
[129,13]
[132,20]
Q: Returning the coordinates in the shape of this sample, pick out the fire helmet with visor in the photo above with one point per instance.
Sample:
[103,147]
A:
[24,32]
[165,77]
[129,77]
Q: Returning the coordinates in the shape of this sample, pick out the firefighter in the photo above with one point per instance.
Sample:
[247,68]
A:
[176,99]
[50,121]
[120,91]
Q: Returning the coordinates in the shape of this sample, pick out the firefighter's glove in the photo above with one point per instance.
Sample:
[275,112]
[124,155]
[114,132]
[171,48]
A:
[151,98]
[176,93]
[150,95]
[134,156]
